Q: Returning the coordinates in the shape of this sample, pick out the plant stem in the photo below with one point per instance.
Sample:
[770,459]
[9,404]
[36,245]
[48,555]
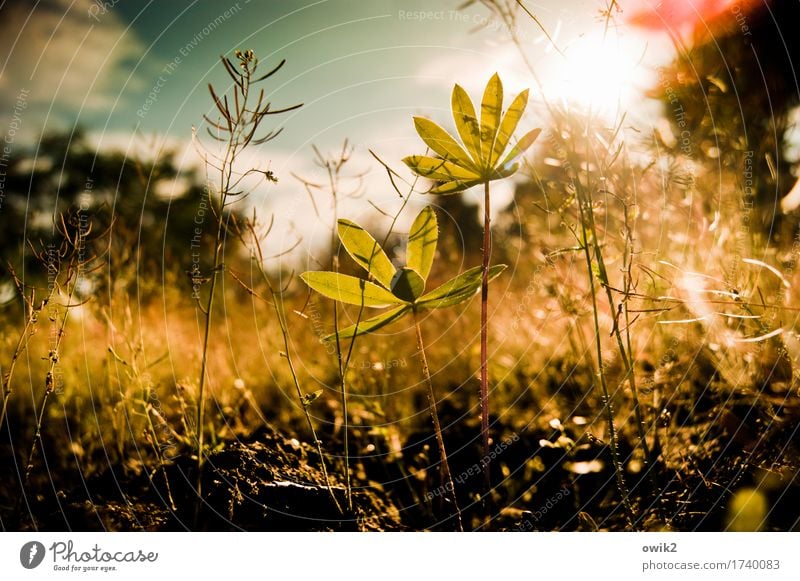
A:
[487,252]
[343,364]
[626,353]
[49,387]
[232,147]
[204,362]
[601,374]
[628,285]
[437,428]
[22,345]
[37,437]
[280,312]
[276,301]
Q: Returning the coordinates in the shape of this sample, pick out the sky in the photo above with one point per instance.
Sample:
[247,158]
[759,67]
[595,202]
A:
[134,73]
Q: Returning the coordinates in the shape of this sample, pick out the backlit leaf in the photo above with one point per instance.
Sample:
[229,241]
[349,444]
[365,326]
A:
[520,148]
[407,284]
[454,187]
[509,125]
[422,241]
[371,325]
[349,289]
[366,251]
[491,110]
[439,170]
[458,289]
[504,171]
[442,143]
[467,123]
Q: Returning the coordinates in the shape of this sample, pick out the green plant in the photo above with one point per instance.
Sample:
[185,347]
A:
[65,264]
[333,168]
[248,232]
[236,129]
[401,288]
[33,313]
[477,162]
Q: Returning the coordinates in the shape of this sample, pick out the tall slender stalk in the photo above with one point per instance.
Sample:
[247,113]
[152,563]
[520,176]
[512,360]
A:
[276,300]
[590,249]
[630,359]
[480,158]
[237,129]
[333,167]
[280,313]
[207,311]
[226,172]
[333,180]
[601,375]
[342,364]
[624,346]
[487,254]
[72,251]
[437,428]
[31,319]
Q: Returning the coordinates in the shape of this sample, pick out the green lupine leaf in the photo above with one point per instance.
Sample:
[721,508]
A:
[521,146]
[509,125]
[454,187]
[349,289]
[422,240]
[371,325]
[439,170]
[366,251]
[491,111]
[442,143]
[467,123]
[502,171]
[458,289]
[407,284]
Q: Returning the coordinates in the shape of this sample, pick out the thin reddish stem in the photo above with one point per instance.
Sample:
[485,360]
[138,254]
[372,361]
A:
[487,253]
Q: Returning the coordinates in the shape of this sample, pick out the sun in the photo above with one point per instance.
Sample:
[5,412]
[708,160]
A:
[602,72]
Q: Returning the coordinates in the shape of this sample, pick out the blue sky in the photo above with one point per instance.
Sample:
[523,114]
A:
[352,62]
[134,72]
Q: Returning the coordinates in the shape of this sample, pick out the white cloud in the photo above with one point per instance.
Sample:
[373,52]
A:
[69,56]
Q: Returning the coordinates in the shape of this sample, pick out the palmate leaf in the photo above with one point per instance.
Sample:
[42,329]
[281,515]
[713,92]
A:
[501,171]
[509,125]
[366,251]
[454,177]
[454,187]
[422,240]
[467,123]
[439,169]
[485,141]
[458,289]
[407,284]
[442,143]
[349,289]
[491,110]
[520,148]
[371,325]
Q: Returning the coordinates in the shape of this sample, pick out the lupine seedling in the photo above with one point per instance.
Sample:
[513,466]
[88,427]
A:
[477,160]
[402,289]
